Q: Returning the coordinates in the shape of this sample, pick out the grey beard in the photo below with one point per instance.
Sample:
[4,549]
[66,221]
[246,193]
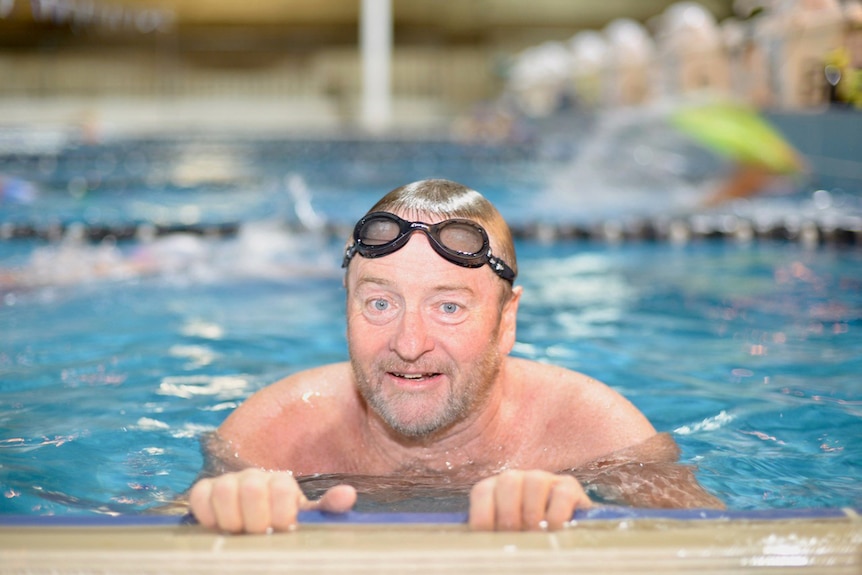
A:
[459,405]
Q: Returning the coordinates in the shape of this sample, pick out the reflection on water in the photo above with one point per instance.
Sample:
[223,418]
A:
[395,494]
[646,473]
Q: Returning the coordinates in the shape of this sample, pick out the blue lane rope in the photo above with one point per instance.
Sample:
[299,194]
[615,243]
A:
[679,230]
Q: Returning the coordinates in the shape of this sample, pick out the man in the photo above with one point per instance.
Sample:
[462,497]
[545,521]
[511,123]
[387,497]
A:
[431,391]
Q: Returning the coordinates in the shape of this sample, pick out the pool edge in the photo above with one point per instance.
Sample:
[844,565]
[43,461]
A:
[623,545]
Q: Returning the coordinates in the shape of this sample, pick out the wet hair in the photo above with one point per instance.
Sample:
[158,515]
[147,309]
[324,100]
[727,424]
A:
[443,200]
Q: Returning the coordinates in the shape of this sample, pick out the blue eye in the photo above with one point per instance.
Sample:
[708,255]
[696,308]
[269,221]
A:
[380,304]
[450,307]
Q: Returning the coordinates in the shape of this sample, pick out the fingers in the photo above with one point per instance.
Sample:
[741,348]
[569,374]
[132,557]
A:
[338,499]
[537,499]
[199,502]
[482,516]
[567,496]
[285,499]
[509,508]
[234,502]
[257,501]
[254,504]
[525,500]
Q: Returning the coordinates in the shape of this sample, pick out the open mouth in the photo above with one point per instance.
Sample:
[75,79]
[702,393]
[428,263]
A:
[414,376]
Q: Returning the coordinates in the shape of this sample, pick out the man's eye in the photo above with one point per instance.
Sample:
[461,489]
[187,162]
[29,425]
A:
[450,307]
[380,304]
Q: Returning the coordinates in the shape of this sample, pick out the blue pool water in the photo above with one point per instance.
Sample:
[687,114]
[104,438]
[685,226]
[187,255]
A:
[116,356]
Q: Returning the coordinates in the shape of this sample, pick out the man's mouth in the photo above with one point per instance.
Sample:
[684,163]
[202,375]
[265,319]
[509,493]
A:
[416,380]
[414,376]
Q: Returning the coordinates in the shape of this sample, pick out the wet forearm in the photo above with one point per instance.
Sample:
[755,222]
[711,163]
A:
[668,485]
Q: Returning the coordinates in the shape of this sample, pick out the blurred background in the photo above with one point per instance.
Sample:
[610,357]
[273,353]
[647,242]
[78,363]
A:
[383,65]
[624,107]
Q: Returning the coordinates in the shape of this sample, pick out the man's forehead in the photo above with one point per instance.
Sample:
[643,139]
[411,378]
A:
[372,281]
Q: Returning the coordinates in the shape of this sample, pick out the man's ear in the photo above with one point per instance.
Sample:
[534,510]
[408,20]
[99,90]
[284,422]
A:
[509,320]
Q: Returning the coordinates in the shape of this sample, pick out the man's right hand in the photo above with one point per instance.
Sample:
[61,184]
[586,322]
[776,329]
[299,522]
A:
[258,501]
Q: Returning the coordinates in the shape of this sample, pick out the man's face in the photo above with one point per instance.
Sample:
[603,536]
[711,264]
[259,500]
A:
[425,336]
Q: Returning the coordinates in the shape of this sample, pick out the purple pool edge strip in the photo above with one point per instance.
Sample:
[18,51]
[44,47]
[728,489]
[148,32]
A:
[605,513]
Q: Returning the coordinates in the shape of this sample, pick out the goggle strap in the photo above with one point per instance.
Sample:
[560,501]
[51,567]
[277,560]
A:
[501,269]
[349,252]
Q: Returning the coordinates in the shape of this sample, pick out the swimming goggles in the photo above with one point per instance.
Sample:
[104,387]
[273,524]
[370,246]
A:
[462,242]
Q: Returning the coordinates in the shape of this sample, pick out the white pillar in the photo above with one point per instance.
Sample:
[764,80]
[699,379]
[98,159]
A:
[375,37]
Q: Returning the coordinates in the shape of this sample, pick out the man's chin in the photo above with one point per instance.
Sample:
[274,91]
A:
[412,428]
[412,413]
[415,424]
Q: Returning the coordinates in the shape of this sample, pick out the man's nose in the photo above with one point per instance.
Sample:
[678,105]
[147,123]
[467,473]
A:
[411,338]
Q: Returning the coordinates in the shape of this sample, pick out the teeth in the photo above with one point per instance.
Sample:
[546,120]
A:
[411,375]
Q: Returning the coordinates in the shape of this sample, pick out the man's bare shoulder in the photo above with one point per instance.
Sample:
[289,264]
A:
[289,410]
[306,386]
[554,381]
[324,381]
[577,408]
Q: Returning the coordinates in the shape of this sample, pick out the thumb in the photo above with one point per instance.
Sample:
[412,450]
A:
[338,499]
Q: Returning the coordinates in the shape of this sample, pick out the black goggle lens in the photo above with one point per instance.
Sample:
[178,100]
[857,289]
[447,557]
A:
[378,232]
[463,238]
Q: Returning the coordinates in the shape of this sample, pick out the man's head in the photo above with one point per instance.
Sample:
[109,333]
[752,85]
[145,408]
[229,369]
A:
[428,319]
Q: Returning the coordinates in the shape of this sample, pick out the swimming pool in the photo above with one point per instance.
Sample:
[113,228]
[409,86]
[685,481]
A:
[117,354]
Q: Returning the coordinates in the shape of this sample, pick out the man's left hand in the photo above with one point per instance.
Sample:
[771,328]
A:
[518,500]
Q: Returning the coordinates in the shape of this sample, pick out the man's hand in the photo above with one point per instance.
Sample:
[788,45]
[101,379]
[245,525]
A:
[525,501]
[257,501]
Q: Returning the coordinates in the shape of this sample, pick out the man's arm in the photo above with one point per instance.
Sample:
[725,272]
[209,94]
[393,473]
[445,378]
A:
[646,475]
